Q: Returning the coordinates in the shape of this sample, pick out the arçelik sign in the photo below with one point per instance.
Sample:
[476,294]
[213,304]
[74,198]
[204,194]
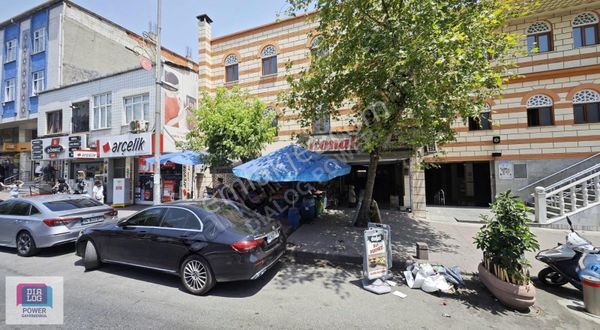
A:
[125,145]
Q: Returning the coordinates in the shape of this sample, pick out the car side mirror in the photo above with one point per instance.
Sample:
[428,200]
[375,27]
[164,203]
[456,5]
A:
[122,223]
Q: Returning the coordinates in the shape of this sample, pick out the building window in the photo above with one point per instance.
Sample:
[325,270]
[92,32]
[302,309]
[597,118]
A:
[539,111]
[231,68]
[39,40]
[484,121]
[54,122]
[81,117]
[10,51]
[269,60]
[322,125]
[137,107]
[585,30]
[37,82]
[586,107]
[314,47]
[270,111]
[9,90]
[102,107]
[539,38]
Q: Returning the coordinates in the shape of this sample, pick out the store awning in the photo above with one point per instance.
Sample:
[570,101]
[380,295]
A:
[183,158]
[292,163]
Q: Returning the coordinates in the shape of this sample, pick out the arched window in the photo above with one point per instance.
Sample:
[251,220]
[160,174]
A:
[539,35]
[539,111]
[586,106]
[585,29]
[314,47]
[484,121]
[271,112]
[231,68]
[322,125]
[269,60]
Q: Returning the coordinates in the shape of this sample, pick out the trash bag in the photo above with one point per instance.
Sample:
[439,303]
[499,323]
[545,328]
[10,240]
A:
[436,283]
[452,275]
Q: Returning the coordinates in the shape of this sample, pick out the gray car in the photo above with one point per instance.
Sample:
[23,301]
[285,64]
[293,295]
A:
[43,221]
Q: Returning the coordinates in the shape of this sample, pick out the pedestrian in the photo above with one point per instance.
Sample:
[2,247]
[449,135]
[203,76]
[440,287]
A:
[13,188]
[61,187]
[98,192]
[351,196]
[218,190]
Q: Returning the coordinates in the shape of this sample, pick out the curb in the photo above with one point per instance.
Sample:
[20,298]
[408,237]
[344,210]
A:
[308,257]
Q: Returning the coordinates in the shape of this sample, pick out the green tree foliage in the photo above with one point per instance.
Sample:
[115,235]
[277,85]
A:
[230,125]
[505,238]
[410,67]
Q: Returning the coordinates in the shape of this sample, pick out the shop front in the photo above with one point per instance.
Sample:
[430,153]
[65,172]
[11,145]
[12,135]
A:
[392,182]
[459,184]
[171,178]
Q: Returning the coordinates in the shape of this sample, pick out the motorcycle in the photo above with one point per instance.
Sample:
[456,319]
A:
[566,260]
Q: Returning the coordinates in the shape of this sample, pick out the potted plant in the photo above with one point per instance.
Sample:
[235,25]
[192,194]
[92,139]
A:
[504,239]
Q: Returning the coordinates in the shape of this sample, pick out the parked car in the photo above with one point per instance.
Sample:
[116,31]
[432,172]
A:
[202,241]
[42,221]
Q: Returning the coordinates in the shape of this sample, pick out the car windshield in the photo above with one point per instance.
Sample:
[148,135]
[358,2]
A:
[71,204]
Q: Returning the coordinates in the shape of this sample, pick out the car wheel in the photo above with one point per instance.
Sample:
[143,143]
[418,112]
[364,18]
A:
[196,275]
[550,277]
[91,260]
[25,244]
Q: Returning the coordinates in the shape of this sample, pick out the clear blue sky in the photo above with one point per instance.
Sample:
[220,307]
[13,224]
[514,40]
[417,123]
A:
[179,24]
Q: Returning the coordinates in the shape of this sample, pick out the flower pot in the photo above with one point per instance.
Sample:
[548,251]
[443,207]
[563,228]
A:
[519,297]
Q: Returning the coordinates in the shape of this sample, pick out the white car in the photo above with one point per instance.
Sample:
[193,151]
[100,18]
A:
[43,221]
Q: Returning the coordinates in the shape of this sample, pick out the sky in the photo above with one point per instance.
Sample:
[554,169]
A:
[179,23]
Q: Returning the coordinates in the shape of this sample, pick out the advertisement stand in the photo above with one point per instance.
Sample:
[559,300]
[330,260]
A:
[377,259]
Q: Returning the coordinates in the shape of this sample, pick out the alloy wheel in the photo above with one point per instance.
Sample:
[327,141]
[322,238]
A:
[195,274]
[24,243]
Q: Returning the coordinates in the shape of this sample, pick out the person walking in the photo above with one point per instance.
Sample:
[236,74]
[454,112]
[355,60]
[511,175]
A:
[98,192]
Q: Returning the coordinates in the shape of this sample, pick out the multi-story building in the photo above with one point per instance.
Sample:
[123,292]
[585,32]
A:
[547,118]
[55,44]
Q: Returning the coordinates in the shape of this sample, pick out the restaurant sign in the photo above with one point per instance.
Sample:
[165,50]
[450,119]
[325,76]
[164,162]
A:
[332,143]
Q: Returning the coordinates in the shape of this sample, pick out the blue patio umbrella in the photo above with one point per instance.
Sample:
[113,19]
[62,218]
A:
[184,158]
[292,163]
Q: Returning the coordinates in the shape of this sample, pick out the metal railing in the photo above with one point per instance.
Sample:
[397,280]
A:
[567,197]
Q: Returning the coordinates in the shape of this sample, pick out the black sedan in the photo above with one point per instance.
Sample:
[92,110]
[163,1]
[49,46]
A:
[204,242]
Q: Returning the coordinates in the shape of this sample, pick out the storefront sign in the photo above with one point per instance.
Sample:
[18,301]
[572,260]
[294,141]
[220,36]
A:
[85,154]
[505,170]
[332,143]
[375,256]
[126,145]
[56,147]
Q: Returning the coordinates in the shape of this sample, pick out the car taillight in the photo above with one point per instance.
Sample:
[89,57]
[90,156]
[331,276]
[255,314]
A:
[59,221]
[112,213]
[247,246]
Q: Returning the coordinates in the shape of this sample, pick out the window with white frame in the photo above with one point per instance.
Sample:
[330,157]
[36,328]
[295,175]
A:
[37,82]
[585,29]
[586,107]
[137,107]
[10,50]
[269,60]
[316,49]
[9,90]
[540,111]
[539,37]
[101,113]
[483,121]
[54,122]
[39,40]
[231,68]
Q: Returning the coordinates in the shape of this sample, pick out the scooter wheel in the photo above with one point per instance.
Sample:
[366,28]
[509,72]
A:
[550,277]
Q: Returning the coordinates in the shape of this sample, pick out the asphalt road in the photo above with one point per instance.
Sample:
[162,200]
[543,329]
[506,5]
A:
[290,296]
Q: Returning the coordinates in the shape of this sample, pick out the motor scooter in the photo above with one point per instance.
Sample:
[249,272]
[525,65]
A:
[565,260]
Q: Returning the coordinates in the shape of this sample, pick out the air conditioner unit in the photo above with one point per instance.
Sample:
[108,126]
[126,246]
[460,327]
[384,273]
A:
[431,148]
[138,126]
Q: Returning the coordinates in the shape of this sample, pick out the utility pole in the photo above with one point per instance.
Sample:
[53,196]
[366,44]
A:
[157,111]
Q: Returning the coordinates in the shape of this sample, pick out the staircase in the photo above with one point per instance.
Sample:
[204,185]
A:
[569,196]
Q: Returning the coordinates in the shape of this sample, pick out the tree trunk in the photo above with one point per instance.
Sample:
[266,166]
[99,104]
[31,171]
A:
[364,214]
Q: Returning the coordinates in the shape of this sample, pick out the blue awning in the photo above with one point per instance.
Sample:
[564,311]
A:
[292,163]
[184,158]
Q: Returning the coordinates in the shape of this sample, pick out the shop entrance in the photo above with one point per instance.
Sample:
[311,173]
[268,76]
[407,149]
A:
[459,184]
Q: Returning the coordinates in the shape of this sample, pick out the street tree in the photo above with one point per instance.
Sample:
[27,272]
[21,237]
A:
[409,68]
[230,125]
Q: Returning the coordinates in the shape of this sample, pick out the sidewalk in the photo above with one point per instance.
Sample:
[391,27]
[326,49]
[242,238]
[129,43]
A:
[332,238]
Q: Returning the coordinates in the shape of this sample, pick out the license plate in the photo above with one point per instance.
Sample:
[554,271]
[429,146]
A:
[87,221]
[272,236]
